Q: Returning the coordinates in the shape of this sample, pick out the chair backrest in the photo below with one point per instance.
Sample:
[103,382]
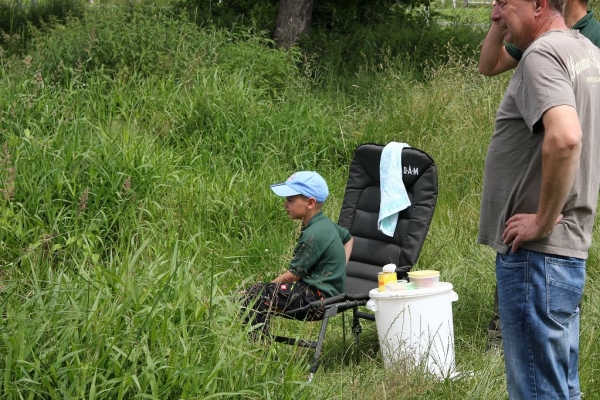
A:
[360,210]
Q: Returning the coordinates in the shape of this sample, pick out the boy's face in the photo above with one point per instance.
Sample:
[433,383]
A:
[296,206]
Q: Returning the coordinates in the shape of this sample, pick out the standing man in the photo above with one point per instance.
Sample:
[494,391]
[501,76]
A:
[496,58]
[539,197]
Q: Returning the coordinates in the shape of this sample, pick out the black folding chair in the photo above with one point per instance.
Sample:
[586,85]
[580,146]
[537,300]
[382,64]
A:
[372,249]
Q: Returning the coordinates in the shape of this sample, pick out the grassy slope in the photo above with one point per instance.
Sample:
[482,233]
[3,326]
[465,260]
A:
[135,201]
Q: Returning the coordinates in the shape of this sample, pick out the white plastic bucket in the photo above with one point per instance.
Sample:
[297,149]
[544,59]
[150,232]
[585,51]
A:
[416,327]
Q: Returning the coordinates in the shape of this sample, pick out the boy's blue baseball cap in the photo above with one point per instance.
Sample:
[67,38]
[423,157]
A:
[307,183]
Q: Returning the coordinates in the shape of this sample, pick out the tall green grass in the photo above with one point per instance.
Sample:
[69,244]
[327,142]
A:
[21,20]
[137,150]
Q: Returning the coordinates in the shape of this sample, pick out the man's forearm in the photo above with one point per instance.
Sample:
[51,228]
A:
[560,161]
[494,59]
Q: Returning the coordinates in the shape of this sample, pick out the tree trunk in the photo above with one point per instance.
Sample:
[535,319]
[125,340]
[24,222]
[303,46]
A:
[293,19]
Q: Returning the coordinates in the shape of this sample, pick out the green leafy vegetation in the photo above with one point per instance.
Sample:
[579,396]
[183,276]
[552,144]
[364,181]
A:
[136,153]
[20,20]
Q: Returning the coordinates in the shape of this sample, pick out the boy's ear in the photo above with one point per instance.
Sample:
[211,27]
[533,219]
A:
[312,202]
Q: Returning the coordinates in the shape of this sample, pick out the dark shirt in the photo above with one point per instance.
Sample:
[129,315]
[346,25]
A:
[319,257]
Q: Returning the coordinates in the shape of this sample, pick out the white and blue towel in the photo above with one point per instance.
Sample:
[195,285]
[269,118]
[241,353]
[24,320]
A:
[393,193]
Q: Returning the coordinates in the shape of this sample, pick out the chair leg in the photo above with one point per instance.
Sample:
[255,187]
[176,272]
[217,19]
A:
[356,328]
[344,329]
[329,312]
[319,349]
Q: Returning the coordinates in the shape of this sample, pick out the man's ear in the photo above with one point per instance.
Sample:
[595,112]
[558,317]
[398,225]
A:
[312,203]
[540,4]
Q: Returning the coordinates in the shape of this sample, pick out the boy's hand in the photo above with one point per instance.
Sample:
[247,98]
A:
[286,277]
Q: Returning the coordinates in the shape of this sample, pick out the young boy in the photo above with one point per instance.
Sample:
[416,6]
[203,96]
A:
[318,267]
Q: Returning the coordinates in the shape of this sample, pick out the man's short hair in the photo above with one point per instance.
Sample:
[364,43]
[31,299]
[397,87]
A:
[558,5]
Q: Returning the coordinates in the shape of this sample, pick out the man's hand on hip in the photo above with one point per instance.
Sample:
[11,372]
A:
[525,228]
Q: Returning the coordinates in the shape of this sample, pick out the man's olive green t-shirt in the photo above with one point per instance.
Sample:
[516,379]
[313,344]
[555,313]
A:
[319,257]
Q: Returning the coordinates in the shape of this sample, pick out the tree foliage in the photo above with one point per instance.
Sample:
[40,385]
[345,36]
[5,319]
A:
[262,14]
[347,14]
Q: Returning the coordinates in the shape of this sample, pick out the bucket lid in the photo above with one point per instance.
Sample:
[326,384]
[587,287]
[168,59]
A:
[426,273]
[441,287]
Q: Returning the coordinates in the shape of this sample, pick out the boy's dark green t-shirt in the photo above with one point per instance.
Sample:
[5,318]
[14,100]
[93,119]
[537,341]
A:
[588,26]
[319,257]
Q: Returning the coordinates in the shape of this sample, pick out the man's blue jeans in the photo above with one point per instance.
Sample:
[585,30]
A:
[539,298]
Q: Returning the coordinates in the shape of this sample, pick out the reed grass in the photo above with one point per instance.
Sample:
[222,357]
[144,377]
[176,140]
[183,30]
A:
[135,204]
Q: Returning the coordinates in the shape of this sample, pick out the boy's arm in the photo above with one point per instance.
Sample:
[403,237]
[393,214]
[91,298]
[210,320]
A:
[348,249]
[286,277]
